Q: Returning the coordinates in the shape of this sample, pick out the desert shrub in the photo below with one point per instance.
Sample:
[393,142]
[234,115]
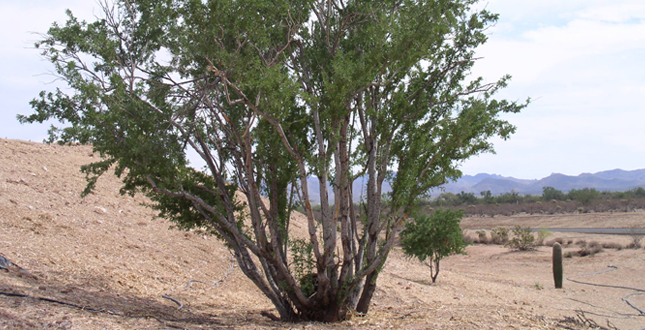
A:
[522,239]
[587,249]
[636,238]
[542,235]
[568,254]
[499,235]
[590,250]
[552,242]
[467,239]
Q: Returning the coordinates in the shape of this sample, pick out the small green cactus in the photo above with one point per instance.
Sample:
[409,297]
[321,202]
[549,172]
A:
[557,265]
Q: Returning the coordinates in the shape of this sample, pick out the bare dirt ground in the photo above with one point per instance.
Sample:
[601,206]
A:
[115,267]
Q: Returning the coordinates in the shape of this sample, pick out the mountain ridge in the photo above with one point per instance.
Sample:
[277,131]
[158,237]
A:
[609,180]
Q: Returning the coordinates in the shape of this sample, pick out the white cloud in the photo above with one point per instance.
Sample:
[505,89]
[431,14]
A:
[615,12]
[583,63]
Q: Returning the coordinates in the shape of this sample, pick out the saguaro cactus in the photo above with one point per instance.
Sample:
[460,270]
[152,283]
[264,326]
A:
[557,265]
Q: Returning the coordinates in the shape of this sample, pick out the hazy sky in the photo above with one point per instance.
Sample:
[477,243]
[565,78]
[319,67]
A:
[582,62]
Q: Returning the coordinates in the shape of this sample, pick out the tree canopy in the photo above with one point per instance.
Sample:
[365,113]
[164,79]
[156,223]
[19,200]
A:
[270,94]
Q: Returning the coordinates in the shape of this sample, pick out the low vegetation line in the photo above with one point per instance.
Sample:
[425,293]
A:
[552,201]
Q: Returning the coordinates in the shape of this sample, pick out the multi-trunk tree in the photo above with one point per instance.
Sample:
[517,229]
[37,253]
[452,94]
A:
[272,94]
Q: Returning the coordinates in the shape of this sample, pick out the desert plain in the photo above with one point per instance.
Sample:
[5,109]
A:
[105,262]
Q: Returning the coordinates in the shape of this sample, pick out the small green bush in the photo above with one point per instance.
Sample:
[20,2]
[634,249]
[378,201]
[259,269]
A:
[542,235]
[433,237]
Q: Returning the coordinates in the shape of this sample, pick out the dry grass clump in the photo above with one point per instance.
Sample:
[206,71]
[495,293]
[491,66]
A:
[633,245]
[467,238]
[552,242]
[612,245]
[586,249]
[482,237]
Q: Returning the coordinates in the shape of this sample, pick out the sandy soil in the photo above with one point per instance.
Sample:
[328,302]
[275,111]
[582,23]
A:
[105,253]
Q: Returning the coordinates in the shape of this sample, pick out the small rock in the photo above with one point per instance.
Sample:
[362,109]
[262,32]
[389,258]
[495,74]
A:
[100,210]
[45,168]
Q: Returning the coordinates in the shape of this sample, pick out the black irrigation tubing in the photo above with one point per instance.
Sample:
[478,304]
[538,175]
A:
[613,268]
[20,295]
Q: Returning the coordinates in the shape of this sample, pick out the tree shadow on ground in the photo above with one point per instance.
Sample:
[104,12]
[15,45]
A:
[422,282]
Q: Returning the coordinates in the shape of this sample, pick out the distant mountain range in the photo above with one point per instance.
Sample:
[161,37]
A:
[613,180]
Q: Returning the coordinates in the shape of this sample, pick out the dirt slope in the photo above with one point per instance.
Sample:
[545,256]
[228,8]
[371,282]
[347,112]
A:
[105,253]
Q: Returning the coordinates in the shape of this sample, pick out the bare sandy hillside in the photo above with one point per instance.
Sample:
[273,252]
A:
[102,262]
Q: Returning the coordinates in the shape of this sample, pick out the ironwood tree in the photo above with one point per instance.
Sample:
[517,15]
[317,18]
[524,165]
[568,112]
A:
[274,95]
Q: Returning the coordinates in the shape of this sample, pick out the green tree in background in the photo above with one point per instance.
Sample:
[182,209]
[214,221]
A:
[550,193]
[467,198]
[584,195]
[433,237]
[270,94]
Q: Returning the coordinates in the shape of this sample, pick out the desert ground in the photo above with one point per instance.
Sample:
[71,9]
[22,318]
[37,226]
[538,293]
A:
[104,262]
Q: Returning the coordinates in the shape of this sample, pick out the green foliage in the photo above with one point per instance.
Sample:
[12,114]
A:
[542,235]
[487,197]
[550,194]
[466,198]
[584,195]
[433,238]
[522,239]
[447,199]
[303,264]
[509,197]
[270,94]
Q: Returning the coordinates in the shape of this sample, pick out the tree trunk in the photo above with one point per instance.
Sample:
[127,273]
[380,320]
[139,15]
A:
[368,291]
[434,273]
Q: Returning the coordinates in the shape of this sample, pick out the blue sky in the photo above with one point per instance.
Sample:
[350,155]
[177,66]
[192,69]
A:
[581,62]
